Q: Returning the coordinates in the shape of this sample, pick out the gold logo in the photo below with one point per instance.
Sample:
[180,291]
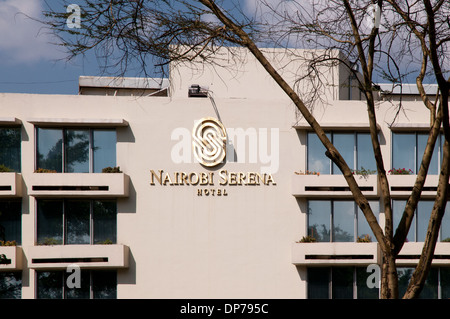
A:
[209,141]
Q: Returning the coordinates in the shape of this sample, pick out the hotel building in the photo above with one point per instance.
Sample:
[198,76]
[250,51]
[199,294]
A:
[202,185]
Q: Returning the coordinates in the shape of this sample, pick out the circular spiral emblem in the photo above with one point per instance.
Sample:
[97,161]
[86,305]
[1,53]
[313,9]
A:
[209,141]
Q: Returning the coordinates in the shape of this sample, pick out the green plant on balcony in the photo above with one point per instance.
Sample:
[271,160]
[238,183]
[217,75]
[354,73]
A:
[105,242]
[365,239]
[49,241]
[400,171]
[111,170]
[5,169]
[363,172]
[446,240]
[45,170]
[307,239]
[308,173]
[8,243]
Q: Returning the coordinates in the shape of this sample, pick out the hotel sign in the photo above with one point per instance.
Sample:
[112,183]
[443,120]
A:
[209,141]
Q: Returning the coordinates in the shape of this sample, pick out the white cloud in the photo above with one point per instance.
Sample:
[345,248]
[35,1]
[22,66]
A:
[23,40]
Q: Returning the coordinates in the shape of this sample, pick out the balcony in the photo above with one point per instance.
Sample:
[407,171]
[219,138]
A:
[79,184]
[402,185]
[321,254]
[410,254]
[85,256]
[312,186]
[13,258]
[10,185]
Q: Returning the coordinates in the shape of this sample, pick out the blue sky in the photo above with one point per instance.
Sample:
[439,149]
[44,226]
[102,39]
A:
[29,62]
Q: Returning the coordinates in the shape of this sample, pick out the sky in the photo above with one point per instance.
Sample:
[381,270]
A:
[29,61]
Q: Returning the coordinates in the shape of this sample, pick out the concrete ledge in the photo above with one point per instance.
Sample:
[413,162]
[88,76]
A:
[401,185]
[327,186]
[14,258]
[85,256]
[10,184]
[319,254]
[410,254]
[79,184]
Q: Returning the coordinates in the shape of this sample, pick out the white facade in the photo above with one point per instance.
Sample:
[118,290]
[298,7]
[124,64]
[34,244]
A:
[233,237]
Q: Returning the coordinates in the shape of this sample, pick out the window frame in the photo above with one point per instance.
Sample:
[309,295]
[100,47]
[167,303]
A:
[64,130]
[356,217]
[64,276]
[330,280]
[19,129]
[331,166]
[416,219]
[64,220]
[416,132]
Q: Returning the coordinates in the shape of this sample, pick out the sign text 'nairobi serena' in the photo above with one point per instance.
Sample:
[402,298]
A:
[209,139]
[208,179]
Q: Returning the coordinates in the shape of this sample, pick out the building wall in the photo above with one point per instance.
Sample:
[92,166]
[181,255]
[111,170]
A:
[183,245]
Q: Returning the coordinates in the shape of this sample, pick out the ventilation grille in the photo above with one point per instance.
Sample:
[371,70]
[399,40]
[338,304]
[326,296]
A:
[70,188]
[69,260]
[334,257]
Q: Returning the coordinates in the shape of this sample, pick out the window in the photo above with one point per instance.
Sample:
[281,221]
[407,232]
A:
[10,285]
[10,154]
[75,150]
[95,284]
[408,148]
[338,220]
[76,222]
[355,148]
[339,283]
[11,221]
[419,225]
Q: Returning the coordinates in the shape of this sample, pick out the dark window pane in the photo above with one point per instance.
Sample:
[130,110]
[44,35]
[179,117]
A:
[10,155]
[342,283]
[49,149]
[77,214]
[77,151]
[319,220]
[363,225]
[403,150]
[421,144]
[318,283]
[104,284]
[404,275]
[424,209]
[430,289]
[317,161]
[445,282]
[10,285]
[50,222]
[445,226]
[363,290]
[345,144]
[83,292]
[105,222]
[398,206]
[104,149]
[11,221]
[343,221]
[365,156]
[50,285]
